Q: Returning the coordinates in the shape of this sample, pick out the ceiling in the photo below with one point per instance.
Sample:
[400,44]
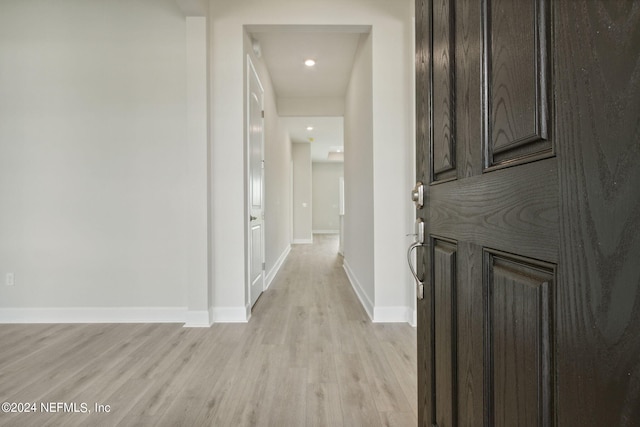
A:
[284,50]
[327,134]
[284,54]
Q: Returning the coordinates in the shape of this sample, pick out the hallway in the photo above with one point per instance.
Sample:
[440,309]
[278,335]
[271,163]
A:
[353,372]
[308,357]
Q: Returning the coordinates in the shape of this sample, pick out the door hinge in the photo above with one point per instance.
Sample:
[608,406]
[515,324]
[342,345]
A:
[263,114]
[264,266]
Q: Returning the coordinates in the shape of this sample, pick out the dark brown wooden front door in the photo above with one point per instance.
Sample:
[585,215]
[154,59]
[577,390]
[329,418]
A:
[528,141]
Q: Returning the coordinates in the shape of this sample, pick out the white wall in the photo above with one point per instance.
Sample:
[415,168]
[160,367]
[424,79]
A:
[302,193]
[199,294]
[393,164]
[359,242]
[326,196]
[392,99]
[94,180]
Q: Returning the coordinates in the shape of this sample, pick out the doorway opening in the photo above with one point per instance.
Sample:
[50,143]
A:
[309,123]
[318,171]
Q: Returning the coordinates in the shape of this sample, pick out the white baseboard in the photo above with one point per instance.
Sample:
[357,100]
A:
[198,319]
[231,314]
[274,271]
[392,315]
[326,231]
[414,318]
[94,315]
[302,241]
[362,296]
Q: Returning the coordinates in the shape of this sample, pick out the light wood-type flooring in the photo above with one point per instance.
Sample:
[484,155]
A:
[309,356]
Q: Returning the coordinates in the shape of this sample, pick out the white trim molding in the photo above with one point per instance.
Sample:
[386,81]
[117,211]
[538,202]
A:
[362,296]
[94,315]
[326,231]
[198,319]
[231,314]
[247,310]
[392,315]
[274,271]
[302,241]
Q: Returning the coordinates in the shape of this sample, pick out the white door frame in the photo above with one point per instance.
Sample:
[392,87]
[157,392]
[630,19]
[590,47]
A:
[254,287]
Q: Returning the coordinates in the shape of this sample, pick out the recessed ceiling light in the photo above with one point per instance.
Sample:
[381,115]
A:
[309,127]
[309,62]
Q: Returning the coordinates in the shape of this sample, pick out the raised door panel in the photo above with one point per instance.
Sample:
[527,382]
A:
[444,284]
[443,146]
[519,340]
[516,83]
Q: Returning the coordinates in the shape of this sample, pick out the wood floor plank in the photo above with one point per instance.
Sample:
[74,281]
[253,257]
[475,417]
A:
[398,419]
[289,402]
[322,368]
[402,366]
[14,337]
[388,394]
[356,393]
[309,356]
[324,407]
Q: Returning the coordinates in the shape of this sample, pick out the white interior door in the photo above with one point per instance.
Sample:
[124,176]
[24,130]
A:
[255,138]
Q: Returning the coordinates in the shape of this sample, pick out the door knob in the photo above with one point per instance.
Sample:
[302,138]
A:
[417,194]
